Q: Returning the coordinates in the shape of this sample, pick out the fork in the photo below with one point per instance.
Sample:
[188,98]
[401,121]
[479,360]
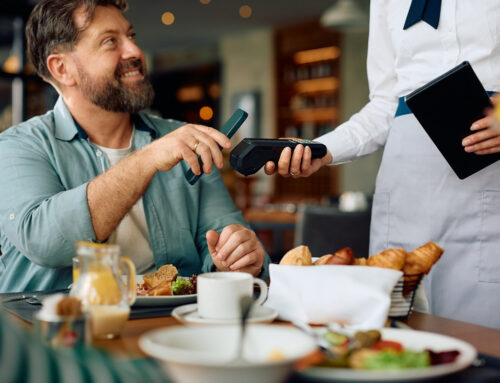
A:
[31,299]
[322,343]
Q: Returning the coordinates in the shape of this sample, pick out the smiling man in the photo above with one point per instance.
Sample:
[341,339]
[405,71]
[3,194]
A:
[96,168]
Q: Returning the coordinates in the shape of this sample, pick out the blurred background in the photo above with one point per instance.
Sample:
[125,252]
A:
[298,67]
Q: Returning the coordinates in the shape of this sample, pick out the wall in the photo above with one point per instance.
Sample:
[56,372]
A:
[248,65]
[360,174]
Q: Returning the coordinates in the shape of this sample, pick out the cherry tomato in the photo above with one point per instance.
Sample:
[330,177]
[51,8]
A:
[388,344]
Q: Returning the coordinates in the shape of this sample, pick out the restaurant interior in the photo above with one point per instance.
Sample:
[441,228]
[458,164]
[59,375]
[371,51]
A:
[299,69]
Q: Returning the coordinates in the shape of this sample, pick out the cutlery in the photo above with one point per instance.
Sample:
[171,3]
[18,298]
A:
[322,343]
[246,303]
[31,299]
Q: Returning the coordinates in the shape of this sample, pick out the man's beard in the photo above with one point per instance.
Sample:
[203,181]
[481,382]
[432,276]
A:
[113,95]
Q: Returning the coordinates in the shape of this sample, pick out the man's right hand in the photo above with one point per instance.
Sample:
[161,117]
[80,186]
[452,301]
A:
[297,164]
[185,143]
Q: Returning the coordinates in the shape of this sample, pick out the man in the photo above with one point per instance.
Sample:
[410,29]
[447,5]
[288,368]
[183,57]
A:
[95,168]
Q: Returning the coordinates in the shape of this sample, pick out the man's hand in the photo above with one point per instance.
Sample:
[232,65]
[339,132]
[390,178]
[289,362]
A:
[297,164]
[487,138]
[236,249]
[185,143]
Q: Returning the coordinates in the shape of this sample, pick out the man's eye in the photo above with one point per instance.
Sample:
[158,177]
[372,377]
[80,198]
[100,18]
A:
[132,36]
[109,41]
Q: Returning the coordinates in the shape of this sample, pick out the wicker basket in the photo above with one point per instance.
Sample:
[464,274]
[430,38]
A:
[403,295]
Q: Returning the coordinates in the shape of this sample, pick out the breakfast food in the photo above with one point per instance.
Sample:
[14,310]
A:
[367,350]
[344,256]
[389,259]
[166,273]
[298,256]
[420,260]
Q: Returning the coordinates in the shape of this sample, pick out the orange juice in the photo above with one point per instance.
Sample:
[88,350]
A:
[107,321]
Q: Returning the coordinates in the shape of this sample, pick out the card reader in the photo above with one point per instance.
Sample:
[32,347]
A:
[252,153]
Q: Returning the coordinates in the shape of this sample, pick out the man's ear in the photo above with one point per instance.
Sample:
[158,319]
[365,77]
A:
[60,67]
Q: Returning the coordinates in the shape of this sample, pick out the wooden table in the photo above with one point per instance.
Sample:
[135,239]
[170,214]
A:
[486,340]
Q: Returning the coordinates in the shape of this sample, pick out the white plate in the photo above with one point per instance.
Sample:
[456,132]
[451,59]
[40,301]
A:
[411,340]
[188,314]
[165,300]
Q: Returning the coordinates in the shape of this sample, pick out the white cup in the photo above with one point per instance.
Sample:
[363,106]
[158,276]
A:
[219,293]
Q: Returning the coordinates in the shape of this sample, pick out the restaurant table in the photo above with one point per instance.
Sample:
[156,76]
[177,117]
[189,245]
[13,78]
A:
[485,340]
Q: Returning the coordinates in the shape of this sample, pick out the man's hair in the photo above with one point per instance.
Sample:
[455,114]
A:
[51,28]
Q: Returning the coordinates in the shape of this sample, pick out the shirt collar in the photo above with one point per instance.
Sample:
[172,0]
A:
[66,127]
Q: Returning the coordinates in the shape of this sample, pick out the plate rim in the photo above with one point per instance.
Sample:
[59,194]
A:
[344,374]
[177,314]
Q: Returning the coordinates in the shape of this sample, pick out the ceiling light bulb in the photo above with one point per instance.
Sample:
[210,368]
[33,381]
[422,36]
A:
[168,18]
[245,11]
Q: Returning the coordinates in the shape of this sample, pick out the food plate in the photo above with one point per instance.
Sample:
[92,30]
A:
[188,314]
[412,340]
[164,300]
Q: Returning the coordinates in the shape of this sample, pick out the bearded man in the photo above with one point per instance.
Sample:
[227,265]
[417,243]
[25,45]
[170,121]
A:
[96,168]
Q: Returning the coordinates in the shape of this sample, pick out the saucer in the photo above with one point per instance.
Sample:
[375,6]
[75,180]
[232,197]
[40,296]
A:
[188,314]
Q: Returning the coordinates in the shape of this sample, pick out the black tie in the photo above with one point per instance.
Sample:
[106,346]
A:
[426,10]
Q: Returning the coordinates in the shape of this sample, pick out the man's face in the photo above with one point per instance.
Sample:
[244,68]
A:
[111,67]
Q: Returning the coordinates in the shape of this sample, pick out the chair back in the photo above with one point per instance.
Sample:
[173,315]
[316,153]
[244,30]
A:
[326,229]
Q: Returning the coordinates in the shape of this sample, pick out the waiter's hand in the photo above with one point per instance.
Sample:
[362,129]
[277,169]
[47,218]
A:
[297,164]
[236,249]
[486,140]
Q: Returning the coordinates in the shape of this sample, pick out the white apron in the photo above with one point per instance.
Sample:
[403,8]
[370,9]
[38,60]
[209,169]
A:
[418,199]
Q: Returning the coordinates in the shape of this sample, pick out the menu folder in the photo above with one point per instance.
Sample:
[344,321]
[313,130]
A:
[446,107]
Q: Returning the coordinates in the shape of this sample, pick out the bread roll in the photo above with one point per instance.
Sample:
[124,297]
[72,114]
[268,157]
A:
[298,256]
[344,256]
[388,259]
[422,258]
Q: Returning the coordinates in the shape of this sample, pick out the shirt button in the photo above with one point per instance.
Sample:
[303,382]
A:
[98,153]
[12,216]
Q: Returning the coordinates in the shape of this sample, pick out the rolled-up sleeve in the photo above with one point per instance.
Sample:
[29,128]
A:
[38,215]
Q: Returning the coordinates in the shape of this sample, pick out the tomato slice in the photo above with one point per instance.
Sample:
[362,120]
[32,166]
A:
[388,344]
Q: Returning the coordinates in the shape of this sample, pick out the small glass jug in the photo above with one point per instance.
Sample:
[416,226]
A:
[105,283]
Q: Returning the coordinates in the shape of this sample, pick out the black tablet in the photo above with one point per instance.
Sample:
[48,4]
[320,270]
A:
[446,107]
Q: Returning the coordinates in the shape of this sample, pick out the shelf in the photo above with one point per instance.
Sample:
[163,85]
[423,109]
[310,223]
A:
[325,84]
[315,114]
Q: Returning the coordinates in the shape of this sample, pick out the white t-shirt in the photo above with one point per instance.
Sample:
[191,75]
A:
[132,233]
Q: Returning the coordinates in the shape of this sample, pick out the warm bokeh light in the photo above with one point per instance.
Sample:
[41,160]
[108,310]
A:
[214,90]
[12,64]
[190,93]
[245,11]
[168,18]
[317,85]
[205,1]
[315,55]
[206,113]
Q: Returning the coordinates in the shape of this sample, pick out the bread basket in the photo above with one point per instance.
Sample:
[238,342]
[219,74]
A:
[403,296]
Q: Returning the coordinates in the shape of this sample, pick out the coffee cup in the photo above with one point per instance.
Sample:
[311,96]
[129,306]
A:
[219,293]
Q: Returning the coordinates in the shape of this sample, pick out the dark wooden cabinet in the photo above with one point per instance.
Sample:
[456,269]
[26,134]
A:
[307,99]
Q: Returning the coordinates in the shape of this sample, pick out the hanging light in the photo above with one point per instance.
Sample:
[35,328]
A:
[346,14]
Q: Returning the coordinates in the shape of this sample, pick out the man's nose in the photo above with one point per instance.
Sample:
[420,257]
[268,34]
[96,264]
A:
[130,50]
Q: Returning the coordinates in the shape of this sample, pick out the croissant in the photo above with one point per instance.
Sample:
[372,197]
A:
[388,259]
[298,256]
[360,261]
[422,258]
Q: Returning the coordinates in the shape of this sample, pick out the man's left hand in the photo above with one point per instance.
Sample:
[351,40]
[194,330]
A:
[236,249]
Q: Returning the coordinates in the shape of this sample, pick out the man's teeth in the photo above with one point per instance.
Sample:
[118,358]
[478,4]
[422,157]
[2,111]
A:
[131,73]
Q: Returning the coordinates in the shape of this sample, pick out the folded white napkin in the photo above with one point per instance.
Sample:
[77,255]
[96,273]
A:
[355,296]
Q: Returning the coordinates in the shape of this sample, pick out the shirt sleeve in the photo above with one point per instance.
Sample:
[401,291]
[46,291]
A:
[366,131]
[38,215]
[217,211]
